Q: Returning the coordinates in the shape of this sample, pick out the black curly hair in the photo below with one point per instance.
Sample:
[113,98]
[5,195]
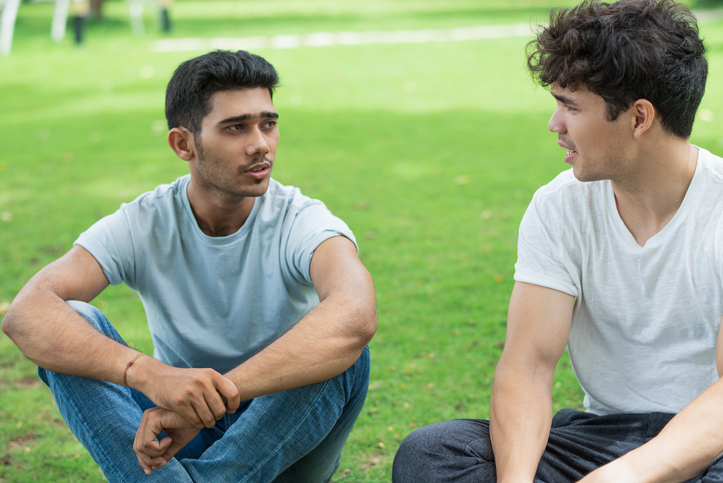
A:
[625,51]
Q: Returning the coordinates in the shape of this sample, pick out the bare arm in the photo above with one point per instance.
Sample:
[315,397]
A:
[51,334]
[329,339]
[538,325]
[322,345]
[684,449]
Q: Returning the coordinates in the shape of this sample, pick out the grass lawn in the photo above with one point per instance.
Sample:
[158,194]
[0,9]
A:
[429,151]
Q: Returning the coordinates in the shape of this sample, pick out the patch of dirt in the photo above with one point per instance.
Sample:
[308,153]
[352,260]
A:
[22,441]
[29,381]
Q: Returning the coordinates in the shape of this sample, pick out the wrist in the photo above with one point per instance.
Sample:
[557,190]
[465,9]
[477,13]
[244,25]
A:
[129,364]
[135,374]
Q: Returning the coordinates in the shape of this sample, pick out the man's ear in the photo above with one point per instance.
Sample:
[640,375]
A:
[643,116]
[181,141]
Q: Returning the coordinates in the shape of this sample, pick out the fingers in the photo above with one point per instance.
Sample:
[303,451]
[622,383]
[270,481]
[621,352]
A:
[150,453]
[223,397]
[202,409]
[201,396]
[229,392]
[148,465]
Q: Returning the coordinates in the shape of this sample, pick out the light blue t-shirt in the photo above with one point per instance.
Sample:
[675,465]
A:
[214,301]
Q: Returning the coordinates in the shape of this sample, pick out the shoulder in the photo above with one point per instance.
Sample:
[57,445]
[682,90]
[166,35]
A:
[163,192]
[565,184]
[565,194]
[282,200]
[162,198]
[712,165]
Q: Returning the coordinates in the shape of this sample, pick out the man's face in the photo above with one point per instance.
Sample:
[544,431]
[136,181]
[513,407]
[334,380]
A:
[237,144]
[596,148]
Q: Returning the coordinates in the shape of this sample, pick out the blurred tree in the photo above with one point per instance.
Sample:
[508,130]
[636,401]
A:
[96,9]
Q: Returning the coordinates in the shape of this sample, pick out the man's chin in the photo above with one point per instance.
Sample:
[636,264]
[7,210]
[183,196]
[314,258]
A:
[258,189]
[583,176]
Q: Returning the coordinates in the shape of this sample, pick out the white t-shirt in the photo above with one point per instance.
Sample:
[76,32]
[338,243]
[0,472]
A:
[646,319]
[214,301]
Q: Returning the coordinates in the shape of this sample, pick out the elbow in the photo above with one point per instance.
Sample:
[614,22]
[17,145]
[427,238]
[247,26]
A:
[369,327]
[364,324]
[8,325]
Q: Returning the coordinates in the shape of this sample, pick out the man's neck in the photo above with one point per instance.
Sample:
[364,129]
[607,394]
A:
[649,198]
[216,213]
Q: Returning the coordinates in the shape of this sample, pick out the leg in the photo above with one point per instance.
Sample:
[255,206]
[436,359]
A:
[461,451]
[295,435]
[582,442]
[104,416]
[458,450]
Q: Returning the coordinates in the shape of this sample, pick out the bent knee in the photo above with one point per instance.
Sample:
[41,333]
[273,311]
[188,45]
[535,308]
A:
[95,318]
[418,456]
[85,310]
[445,451]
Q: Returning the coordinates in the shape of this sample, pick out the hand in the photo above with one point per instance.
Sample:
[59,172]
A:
[153,454]
[201,396]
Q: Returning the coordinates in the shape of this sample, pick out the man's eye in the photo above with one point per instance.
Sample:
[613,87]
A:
[270,124]
[235,127]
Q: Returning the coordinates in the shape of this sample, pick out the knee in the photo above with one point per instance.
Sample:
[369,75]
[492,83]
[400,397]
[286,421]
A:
[413,461]
[446,451]
[95,318]
[87,311]
[355,380]
[364,366]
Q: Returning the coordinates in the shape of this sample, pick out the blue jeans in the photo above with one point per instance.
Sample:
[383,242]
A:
[289,436]
[460,450]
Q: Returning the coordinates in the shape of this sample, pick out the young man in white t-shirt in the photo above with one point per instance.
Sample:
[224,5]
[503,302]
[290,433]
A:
[258,305]
[620,259]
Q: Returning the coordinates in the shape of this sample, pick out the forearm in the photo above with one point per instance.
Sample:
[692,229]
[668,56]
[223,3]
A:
[322,345]
[684,449]
[52,335]
[520,419]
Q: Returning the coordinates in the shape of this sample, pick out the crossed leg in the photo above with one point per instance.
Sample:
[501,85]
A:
[295,435]
[460,450]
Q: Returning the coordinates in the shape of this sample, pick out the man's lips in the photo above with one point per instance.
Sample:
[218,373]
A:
[571,152]
[259,170]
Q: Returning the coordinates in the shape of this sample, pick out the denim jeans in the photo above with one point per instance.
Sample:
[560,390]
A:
[290,436]
[460,450]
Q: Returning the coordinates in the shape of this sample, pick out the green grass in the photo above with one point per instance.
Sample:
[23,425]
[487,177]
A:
[430,152]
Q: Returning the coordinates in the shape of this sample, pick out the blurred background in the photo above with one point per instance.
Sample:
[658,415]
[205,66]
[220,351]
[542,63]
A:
[415,121]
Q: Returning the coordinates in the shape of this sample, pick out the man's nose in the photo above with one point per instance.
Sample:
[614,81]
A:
[556,124]
[258,143]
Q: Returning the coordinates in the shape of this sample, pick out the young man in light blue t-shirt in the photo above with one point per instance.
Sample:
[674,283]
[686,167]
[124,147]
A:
[258,306]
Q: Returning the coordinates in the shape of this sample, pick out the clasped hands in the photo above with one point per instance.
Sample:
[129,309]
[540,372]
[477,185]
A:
[187,400]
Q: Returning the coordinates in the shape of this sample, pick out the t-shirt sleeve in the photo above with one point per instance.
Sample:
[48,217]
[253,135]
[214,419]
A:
[312,225]
[110,242]
[541,255]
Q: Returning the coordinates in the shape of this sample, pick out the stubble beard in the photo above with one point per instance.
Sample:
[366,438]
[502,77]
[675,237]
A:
[207,168]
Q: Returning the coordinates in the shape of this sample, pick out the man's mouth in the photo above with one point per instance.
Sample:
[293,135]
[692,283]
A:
[259,170]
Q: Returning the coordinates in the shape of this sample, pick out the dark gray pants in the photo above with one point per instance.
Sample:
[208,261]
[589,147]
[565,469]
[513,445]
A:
[460,450]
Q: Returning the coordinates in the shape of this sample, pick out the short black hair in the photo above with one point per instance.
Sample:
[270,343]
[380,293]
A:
[625,51]
[196,80]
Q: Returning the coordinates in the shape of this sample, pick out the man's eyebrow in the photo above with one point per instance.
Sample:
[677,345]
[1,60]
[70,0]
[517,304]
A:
[246,117]
[564,99]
